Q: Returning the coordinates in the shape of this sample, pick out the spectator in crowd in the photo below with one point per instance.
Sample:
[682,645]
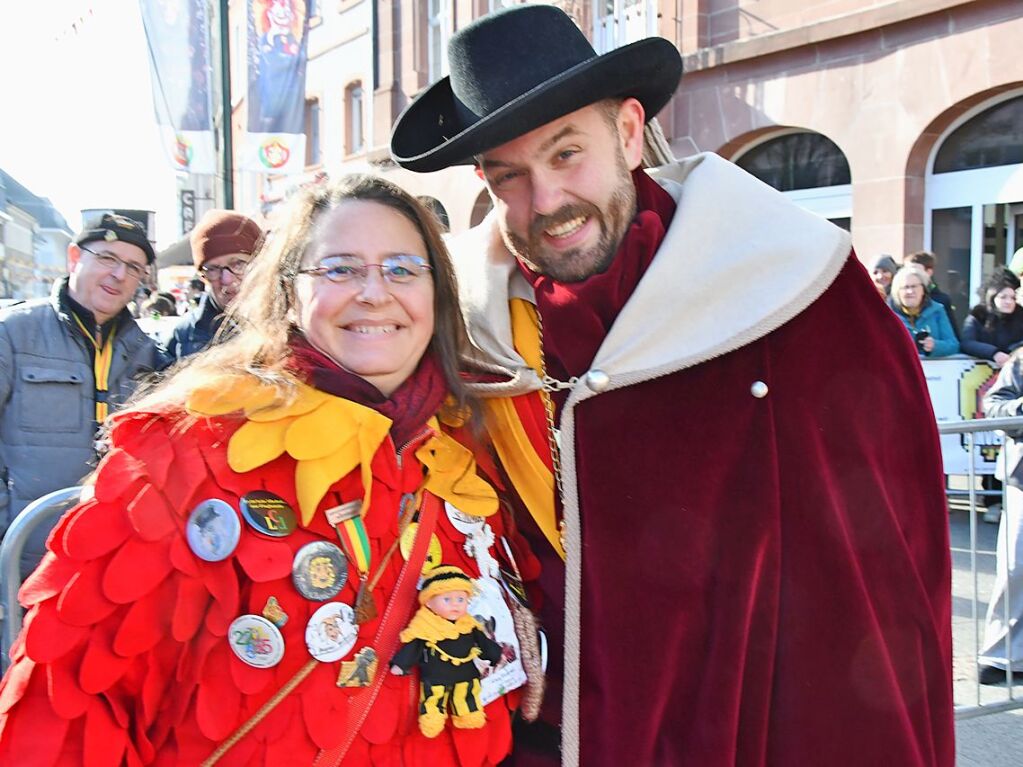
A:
[994,328]
[1005,400]
[158,305]
[926,321]
[926,259]
[881,272]
[68,361]
[709,601]
[223,243]
[196,290]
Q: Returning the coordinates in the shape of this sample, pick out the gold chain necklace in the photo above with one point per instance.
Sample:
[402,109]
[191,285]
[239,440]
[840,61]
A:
[551,385]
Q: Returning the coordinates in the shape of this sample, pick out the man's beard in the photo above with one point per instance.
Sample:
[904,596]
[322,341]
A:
[577,264]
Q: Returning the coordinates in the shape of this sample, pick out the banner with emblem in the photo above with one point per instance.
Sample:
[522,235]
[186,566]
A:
[275,139]
[178,39]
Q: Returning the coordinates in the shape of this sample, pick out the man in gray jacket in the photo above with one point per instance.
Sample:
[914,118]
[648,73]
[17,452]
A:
[67,361]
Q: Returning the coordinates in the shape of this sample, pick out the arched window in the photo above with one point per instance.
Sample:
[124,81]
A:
[809,168]
[354,138]
[481,208]
[994,137]
[797,161]
[436,207]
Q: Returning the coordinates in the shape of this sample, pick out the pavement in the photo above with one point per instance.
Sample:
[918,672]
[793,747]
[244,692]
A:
[988,740]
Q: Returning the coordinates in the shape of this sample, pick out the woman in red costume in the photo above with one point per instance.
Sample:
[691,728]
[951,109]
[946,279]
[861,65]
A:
[232,590]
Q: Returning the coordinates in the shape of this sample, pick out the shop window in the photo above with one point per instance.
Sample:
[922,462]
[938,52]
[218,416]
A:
[994,137]
[312,131]
[797,161]
[354,135]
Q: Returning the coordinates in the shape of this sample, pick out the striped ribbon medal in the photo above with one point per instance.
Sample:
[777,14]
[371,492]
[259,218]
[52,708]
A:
[351,532]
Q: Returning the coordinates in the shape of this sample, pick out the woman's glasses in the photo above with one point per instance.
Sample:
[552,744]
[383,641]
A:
[399,269]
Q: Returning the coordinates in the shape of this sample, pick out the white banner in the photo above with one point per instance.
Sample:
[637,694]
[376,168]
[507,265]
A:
[273,152]
[957,385]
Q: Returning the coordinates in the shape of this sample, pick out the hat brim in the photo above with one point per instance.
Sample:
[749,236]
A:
[647,70]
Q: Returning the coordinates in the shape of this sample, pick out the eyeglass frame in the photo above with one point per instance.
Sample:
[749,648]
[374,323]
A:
[361,273]
[205,270]
[129,268]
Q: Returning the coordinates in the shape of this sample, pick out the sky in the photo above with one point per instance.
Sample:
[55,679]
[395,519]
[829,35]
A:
[76,121]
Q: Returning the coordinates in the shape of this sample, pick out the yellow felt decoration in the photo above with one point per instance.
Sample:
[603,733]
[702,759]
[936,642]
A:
[255,444]
[452,476]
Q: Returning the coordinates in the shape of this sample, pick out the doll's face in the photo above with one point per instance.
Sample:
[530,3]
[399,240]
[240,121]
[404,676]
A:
[451,605]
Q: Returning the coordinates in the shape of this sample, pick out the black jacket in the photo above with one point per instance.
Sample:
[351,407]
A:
[193,332]
[986,332]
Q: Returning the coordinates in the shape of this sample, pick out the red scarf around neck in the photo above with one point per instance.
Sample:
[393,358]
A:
[410,405]
[577,316]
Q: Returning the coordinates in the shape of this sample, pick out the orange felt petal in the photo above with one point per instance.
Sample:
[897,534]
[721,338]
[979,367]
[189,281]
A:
[255,444]
[149,514]
[229,394]
[307,400]
[322,431]
[135,569]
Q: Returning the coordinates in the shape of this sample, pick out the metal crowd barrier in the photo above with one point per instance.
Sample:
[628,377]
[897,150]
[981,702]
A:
[984,702]
[42,511]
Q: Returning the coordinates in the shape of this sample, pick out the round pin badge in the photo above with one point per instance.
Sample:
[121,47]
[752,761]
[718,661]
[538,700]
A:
[331,632]
[467,524]
[256,641]
[319,570]
[268,514]
[433,551]
[213,530]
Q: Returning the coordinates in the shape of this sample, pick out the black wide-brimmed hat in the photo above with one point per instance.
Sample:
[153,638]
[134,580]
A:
[517,69]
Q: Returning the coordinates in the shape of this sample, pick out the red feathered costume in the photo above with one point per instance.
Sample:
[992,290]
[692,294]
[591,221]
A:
[124,658]
[757,565]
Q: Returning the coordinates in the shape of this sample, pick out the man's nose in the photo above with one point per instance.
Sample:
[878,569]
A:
[548,195]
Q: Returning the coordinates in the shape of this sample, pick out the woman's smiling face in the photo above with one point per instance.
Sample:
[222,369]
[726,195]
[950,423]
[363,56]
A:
[376,329]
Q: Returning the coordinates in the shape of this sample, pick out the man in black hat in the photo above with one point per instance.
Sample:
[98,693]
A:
[739,569]
[65,363]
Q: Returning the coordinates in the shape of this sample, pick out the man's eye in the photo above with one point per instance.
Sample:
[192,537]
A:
[505,178]
[567,154]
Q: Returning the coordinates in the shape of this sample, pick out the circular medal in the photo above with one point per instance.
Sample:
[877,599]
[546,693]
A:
[319,570]
[213,530]
[467,524]
[433,551]
[331,632]
[268,514]
[256,641]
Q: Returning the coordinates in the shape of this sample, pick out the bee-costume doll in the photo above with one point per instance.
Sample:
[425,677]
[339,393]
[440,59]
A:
[444,641]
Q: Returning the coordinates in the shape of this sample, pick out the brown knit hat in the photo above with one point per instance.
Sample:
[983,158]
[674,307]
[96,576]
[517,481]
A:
[220,232]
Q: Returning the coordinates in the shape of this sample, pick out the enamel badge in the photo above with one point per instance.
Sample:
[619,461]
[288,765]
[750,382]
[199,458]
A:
[268,514]
[213,530]
[319,570]
[256,641]
[331,632]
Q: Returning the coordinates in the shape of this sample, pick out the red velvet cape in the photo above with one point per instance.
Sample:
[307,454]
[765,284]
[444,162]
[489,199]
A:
[766,581]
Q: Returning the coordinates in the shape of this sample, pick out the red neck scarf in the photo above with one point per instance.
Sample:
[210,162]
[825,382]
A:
[410,406]
[578,315]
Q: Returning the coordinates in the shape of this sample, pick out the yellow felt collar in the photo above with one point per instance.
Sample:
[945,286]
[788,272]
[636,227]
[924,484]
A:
[329,437]
[426,624]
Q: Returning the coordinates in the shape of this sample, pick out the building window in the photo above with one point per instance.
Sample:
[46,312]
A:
[438,30]
[620,22]
[438,210]
[354,137]
[992,138]
[797,161]
[312,131]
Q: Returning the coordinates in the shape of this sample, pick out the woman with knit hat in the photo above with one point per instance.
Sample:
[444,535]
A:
[330,441]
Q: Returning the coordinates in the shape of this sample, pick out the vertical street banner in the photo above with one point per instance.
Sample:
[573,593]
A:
[178,39]
[278,32]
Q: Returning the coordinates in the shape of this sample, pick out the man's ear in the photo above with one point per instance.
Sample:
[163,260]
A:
[479,172]
[74,255]
[631,120]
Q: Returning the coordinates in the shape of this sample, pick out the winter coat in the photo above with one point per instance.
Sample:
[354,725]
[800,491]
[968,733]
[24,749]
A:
[934,320]
[192,333]
[733,525]
[47,388]
[986,332]
[127,656]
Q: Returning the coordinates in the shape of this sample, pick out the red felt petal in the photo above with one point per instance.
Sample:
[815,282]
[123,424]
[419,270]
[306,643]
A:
[33,735]
[98,529]
[57,538]
[82,603]
[146,622]
[47,636]
[295,748]
[66,695]
[182,557]
[222,582]
[264,559]
[324,706]
[248,679]
[135,569]
[189,608]
[218,619]
[150,515]
[104,739]
[153,441]
[284,720]
[14,683]
[471,745]
[47,581]
[189,473]
[382,719]
[218,700]
[499,728]
[101,666]
[117,474]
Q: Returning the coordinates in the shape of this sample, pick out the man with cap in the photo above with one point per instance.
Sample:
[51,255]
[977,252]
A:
[739,569]
[223,243]
[65,363]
